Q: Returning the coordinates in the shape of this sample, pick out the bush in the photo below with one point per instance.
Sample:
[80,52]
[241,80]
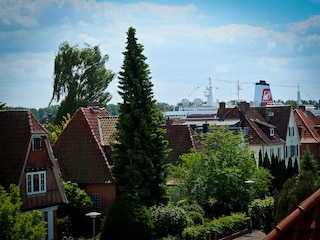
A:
[196,218]
[127,218]
[190,206]
[168,220]
[194,233]
[228,225]
[262,211]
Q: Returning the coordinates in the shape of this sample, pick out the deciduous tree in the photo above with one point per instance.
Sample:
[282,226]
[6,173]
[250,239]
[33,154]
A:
[13,224]
[80,76]
[218,173]
[141,150]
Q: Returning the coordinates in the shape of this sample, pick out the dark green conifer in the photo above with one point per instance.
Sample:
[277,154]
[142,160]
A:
[141,150]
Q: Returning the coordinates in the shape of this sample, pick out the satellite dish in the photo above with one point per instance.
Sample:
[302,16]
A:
[197,102]
[185,102]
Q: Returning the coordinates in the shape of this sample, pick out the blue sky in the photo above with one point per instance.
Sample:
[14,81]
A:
[186,43]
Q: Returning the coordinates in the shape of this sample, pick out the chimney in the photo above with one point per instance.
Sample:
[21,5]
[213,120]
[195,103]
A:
[244,106]
[93,105]
[222,105]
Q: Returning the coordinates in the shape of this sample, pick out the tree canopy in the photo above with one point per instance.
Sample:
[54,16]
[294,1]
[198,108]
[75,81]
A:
[217,174]
[80,76]
[140,150]
[13,224]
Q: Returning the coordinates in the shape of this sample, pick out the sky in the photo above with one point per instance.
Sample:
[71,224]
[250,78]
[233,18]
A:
[235,43]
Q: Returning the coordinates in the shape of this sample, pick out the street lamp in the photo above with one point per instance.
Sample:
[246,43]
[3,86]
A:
[93,215]
[249,182]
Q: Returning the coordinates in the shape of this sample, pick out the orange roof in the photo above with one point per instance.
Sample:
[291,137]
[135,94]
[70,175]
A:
[308,125]
[79,148]
[302,224]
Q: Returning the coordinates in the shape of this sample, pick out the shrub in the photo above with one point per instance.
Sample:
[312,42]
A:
[227,225]
[127,218]
[194,233]
[190,206]
[168,220]
[196,218]
[262,211]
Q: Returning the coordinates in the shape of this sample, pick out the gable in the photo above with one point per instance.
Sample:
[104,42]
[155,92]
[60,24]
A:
[79,151]
[16,129]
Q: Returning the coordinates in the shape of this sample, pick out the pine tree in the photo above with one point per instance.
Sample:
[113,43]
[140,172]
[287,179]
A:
[141,149]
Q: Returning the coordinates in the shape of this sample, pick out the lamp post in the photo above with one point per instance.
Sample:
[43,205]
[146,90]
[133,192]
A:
[249,182]
[93,215]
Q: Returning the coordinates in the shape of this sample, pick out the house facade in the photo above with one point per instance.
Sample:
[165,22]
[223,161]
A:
[27,160]
[283,118]
[83,152]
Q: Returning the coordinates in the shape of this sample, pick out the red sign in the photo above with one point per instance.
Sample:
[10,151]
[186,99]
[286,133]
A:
[266,98]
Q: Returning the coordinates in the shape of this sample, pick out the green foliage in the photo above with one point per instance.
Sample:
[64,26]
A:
[262,211]
[194,233]
[227,225]
[279,170]
[13,224]
[308,162]
[141,150]
[79,204]
[127,218]
[80,77]
[55,131]
[112,109]
[294,191]
[196,217]
[216,175]
[168,220]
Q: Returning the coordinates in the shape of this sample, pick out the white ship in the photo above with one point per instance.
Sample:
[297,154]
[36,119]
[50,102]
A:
[196,107]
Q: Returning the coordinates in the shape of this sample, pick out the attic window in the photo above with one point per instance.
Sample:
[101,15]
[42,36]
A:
[271,132]
[36,144]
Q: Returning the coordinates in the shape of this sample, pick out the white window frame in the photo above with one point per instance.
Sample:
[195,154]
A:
[271,132]
[36,182]
[34,144]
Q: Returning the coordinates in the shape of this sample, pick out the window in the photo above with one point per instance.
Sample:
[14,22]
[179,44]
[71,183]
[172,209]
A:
[292,151]
[291,131]
[96,198]
[36,144]
[279,153]
[271,132]
[36,182]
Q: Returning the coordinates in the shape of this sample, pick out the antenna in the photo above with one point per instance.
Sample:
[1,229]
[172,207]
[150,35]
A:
[238,90]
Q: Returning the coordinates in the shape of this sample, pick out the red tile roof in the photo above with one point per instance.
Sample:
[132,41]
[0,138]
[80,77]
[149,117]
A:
[16,128]
[79,148]
[258,127]
[278,116]
[302,224]
[181,140]
[309,125]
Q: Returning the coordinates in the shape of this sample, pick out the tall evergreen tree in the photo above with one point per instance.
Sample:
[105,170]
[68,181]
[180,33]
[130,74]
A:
[141,149]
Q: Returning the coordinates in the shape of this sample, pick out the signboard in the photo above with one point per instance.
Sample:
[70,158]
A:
[266,98]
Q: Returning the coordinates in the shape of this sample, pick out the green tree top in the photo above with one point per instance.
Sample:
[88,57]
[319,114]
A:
[141,149]
[218,173]
[80,77]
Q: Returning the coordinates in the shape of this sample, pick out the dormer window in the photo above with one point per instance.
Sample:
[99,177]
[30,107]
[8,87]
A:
[36,145]
[271,132]
[36,182]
